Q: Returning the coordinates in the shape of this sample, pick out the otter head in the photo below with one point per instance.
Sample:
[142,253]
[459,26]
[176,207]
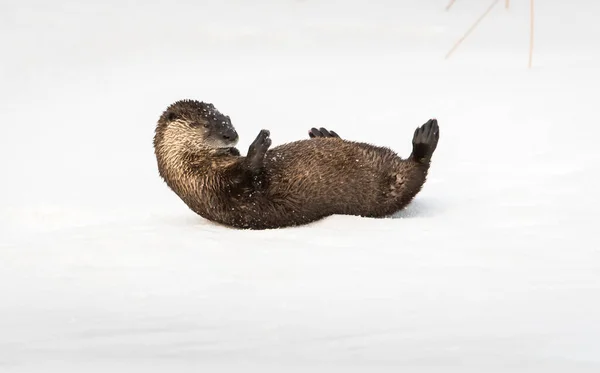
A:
[194,125]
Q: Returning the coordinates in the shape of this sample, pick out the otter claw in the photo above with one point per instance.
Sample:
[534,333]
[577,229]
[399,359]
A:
[321,132]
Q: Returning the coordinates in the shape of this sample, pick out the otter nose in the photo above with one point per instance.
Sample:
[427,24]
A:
[230,135]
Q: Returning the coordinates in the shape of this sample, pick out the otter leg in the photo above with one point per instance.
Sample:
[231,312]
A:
[256,156]
[425,140]
[321,132]
[410,175]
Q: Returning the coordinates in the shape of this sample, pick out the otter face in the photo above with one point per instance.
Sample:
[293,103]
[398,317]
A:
[197,123]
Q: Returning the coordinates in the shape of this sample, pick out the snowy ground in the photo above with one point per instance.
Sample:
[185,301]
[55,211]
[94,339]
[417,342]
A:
[495,267]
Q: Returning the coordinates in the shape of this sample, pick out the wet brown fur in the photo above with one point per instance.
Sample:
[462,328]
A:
[297,183]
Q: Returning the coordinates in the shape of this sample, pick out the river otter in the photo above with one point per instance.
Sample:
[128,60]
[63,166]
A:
[289,185]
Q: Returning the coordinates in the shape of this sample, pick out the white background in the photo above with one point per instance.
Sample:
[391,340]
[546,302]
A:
[495,266]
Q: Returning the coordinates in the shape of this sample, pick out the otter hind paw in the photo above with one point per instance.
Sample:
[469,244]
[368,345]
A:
[425,140]
[321,132]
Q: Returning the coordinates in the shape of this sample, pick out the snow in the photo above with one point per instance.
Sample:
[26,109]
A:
[495,266]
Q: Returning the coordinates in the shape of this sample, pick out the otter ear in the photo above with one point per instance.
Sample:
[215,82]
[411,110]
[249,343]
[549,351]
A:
[171,116]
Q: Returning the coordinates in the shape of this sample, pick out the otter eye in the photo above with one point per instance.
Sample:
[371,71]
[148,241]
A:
[200,123]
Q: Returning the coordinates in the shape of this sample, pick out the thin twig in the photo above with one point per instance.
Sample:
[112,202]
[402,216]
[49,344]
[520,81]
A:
[472,28]
[450,4]
[531,13]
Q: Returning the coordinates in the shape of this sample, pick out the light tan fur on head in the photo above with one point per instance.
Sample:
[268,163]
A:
[190,125]
[189,132]
[179,136]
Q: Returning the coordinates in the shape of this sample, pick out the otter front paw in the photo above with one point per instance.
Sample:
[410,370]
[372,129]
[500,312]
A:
[425,141]
[321,132]
[258,149]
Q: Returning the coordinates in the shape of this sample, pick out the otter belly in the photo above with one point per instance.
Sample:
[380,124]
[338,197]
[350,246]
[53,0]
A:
[332,176]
